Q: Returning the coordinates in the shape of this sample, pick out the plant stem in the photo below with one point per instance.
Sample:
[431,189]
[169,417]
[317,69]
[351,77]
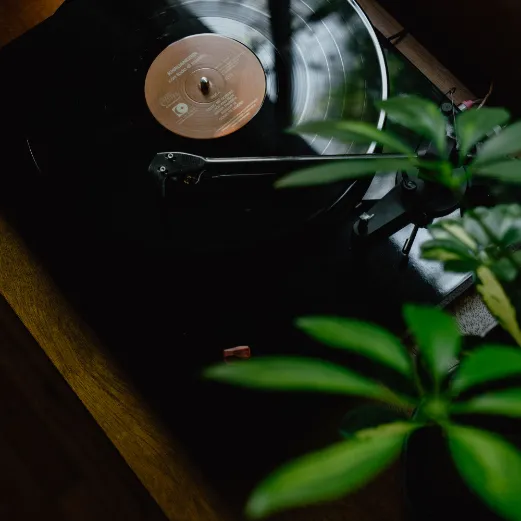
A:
[417,380]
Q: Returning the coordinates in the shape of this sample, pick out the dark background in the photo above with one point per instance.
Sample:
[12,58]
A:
[478,40]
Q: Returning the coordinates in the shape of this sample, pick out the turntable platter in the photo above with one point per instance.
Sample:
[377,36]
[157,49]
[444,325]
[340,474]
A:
[104,77]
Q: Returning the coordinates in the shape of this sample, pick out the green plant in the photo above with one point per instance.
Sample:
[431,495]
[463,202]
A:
[482,240]
[493,159]
[489,464]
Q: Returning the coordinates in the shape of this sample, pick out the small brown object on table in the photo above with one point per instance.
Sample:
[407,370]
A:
[154,454]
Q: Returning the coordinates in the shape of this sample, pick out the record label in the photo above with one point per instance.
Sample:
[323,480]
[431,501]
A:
[205,86]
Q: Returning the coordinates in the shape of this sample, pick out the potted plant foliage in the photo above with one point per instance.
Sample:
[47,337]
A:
[445,402]
[481,240]
[490,465]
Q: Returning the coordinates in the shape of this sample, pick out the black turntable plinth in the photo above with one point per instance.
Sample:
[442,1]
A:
[170,280]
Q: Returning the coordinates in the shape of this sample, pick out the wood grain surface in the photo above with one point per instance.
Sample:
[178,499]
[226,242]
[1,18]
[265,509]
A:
[416,53]
[17,16]
[57,464]
[478,39]
[151,452]
[154,454]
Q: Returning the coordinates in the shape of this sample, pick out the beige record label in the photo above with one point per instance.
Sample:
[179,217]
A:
[205,86]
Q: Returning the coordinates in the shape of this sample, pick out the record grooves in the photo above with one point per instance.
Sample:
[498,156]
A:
[325,67]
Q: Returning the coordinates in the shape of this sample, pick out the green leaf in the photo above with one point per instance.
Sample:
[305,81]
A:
[464,230]
[445,249]
[503,222]
[475,230]
[330,473]
[512,236]
[441,172]
[506,402]
[498,302]
[298,374]
[456,230]
[461,266]
[503,269]
[341,171]
[490,466]
[492,218]
[437,171]
[369,416]
[454,256]
[360,337]
[420,115]
[434,409]
[487,363]
[473,125]
[357,132]
[508,171]
[497,148]
[438,337]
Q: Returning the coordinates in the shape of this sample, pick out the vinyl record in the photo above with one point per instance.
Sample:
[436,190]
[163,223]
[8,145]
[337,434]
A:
[315,60]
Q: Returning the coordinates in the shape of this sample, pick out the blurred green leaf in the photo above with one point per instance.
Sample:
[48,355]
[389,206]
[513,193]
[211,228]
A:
[487,363]
[456,230]
[460,266]
[438,338]
[492,218]
[441,172]
[508,171]
[445,249]
[299,374]
[512,236]
[497,148]
[369,416]
[434,167]
[455,257]
[330,473]
[439,232]
[341,171]
[357,132]
[480,238]
[435,409]
[421,116]
[473,125]
[498,303]
[490,466]
[360,337]
[503,222]
[464,230]
[475,230]
[506,402]
[503,269]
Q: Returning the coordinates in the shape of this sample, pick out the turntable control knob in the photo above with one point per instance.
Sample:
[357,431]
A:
[205,85]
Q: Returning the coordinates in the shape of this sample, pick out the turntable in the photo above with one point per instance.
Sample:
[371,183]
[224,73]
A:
[169,273]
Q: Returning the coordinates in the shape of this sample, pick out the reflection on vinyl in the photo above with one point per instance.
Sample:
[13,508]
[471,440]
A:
[301,62]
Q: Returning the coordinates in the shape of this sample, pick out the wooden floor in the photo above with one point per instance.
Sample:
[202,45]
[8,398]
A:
[56,462]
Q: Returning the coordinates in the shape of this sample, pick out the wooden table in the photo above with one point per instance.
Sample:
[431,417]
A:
[152,452]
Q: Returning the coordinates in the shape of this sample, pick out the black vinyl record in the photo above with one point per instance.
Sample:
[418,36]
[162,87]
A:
[89,128]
